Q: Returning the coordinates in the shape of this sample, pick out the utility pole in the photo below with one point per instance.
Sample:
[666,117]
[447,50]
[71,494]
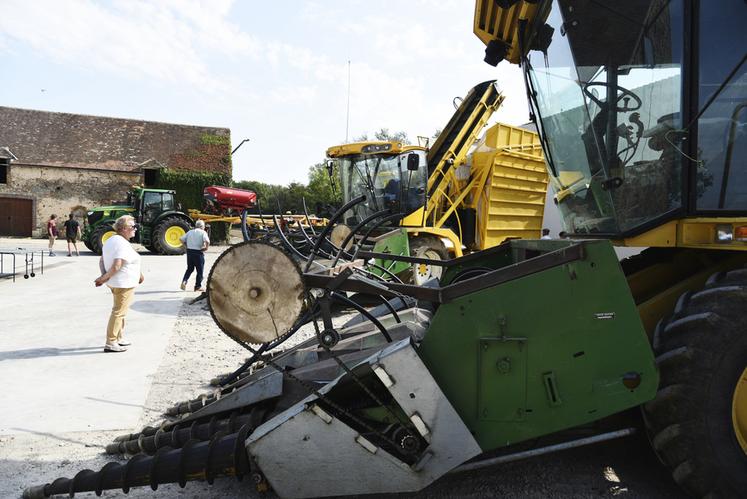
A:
[347,114]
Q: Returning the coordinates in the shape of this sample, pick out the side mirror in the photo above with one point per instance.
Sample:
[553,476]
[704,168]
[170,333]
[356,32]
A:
[413,162]
[330,168]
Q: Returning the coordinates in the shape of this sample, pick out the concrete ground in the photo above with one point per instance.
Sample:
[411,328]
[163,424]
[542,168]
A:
[53,331]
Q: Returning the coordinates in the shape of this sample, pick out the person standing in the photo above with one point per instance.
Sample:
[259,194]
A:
[121,266]
[197,242]
[546,234]
[52,232]
[72,233]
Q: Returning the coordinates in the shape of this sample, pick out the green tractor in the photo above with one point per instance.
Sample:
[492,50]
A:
[161,222]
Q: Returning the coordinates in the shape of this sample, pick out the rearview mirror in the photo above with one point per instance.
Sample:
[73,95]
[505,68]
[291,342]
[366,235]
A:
[330,168]
[413,162]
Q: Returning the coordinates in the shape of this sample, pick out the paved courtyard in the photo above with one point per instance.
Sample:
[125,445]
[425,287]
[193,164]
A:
[52,330]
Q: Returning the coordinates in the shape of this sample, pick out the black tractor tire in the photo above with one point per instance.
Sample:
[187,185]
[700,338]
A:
[87,244]
[95,242]
[701,353]
[426,247]
[162,240]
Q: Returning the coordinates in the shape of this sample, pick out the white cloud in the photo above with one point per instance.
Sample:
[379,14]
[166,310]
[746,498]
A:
[132,39]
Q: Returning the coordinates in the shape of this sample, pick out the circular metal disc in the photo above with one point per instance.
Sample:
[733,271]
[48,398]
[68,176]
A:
[255,292]
[338,235]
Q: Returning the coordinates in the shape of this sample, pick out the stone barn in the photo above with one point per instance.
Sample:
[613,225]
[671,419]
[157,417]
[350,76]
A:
[67,163]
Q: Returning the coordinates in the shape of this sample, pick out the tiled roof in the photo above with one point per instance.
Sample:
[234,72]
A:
[82,141]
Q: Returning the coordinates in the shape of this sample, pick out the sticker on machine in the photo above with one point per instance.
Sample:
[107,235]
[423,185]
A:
[604,315]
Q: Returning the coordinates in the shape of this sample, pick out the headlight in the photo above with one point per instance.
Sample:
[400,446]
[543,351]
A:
[724,234]
[376,148]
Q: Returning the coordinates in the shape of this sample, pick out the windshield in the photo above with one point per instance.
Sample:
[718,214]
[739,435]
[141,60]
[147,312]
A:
[385,181]
[607,97]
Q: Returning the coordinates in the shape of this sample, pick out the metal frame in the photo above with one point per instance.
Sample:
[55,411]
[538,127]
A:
[450,292]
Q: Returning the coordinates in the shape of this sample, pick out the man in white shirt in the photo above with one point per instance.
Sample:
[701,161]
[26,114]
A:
[197,242]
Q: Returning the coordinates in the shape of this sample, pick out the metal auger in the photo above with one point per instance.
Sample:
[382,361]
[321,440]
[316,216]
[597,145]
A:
[223,455]
[177,435]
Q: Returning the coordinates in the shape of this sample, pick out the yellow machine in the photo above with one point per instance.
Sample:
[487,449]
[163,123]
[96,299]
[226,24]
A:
[461,194]
[640,107]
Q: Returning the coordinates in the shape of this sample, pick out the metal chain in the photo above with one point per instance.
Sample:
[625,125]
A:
[355,377]
[328,401]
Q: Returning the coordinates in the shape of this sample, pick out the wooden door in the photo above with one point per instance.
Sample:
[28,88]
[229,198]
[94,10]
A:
[16,217]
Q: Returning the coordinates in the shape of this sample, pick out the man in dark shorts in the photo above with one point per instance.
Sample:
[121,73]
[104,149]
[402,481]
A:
[72,233]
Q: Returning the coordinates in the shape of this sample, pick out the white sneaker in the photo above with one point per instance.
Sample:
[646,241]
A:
[124,343]
[114,348]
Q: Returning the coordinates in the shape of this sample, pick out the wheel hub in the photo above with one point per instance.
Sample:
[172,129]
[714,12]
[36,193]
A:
[172,236]
[739,410]
[106,235]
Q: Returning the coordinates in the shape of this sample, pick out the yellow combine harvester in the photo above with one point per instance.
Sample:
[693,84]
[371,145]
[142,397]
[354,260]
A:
[641,110]
[462,194]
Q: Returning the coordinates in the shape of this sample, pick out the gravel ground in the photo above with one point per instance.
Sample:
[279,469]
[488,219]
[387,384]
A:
[623,468]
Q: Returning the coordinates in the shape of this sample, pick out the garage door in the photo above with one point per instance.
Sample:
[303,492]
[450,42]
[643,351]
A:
[16,217]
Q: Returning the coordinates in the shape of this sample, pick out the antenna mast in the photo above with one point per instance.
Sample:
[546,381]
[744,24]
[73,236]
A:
[347,114]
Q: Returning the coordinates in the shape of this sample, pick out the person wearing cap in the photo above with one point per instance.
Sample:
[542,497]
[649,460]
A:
[197,242]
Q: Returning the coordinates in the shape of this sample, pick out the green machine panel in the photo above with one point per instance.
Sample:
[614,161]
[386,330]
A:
[395,243]
[550,347]
[503,383]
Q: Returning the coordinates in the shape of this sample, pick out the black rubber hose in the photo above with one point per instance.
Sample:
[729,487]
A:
[390,308]
[365,312]
[375,226]
[244,230]
[329,226]
[306,214]
[286,243]
[355,230]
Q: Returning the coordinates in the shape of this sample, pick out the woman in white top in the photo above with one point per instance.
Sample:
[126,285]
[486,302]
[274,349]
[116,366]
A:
[121,266]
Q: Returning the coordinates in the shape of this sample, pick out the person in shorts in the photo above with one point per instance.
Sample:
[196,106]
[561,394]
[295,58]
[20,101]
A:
[72,234]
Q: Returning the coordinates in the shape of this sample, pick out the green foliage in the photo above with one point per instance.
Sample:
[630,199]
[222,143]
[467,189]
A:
[385,134]
[215,140]
[189,187]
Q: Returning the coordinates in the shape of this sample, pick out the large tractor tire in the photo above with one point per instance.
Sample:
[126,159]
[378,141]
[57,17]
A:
[166,236]
[99,236]
[87,244]
[698,421]
[431,248]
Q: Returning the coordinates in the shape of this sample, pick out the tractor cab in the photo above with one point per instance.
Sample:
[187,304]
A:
[661,138]
[391,175]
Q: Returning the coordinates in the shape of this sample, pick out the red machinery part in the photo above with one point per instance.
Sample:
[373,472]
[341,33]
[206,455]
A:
[228,198]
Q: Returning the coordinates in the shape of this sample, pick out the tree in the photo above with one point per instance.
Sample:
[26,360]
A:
[322,190]
[384,134]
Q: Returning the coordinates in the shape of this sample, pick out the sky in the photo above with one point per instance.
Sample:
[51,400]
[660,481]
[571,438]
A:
[275,73]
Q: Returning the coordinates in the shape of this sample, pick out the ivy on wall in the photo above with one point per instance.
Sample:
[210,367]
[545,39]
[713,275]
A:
[215,140]
[189,187]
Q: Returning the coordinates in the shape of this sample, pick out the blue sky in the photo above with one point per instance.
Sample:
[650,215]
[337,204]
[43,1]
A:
[273,72]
